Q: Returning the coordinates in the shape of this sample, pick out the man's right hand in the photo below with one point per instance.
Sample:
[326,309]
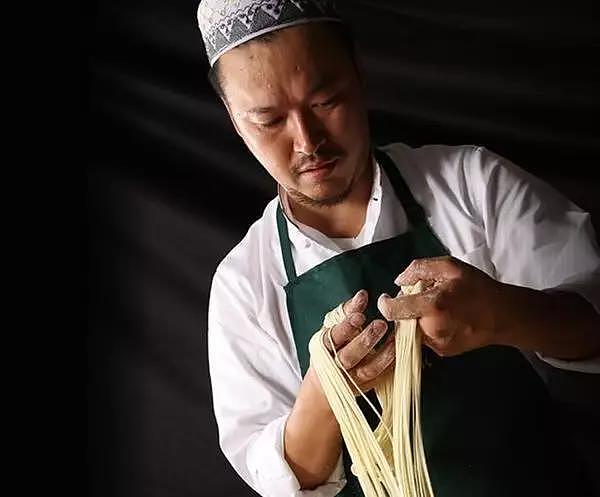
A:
[354,344]
[312,438]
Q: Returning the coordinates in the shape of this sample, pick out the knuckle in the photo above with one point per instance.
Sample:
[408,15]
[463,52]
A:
[376,330]
[362,374]
[385,358]
[366,338]
[380,323]
[356,319]
[342,333]
[346,364]
[370,335]
[389,354]
[417,264]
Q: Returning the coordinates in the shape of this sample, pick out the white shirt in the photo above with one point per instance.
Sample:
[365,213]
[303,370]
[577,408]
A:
[486,210]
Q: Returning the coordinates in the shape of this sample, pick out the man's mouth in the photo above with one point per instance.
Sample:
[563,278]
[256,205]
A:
[317,165]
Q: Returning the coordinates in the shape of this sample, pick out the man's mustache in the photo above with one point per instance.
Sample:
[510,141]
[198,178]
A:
[307,161]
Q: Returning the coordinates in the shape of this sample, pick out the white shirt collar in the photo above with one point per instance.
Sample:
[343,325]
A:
[301,234]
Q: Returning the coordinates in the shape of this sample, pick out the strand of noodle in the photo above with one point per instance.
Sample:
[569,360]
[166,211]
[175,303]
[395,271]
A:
[385,461]
[364,451]
[382,424]
[339,364]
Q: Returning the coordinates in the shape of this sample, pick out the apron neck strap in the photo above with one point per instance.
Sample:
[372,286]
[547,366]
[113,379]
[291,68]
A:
[414,212]
[286,246]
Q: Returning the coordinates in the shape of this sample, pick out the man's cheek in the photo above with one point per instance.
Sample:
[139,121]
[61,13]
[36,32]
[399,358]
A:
[346,126]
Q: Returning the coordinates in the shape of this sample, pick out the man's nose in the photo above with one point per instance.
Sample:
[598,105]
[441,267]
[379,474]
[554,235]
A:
[307,132]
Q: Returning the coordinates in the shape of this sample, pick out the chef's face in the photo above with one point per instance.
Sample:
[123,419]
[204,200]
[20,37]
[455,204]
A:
[295,93]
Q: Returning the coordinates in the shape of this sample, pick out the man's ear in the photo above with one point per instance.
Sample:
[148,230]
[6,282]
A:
[231,116]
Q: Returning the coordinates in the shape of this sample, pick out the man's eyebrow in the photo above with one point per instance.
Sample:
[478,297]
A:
[319,85]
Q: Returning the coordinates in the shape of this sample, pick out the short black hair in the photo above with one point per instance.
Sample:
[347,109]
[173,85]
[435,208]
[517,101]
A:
[341,29]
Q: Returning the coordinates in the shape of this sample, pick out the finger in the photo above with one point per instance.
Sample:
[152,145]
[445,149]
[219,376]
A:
[433,268]
[359,347]
[365,387]
[425,285]
[373,366]
[409,306]
[342,333]
[358,303]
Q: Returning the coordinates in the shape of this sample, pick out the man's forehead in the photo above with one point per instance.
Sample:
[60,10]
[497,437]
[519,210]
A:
[258,85]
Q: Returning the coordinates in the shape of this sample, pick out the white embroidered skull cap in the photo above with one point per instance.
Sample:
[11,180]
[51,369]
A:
[225,24]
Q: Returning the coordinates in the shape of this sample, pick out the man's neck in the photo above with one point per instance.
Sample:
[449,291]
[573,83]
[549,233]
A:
[343,220]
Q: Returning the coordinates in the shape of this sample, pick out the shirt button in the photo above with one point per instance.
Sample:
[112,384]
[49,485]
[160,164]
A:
[306,244]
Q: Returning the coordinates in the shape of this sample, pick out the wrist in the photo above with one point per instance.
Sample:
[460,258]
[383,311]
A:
[507,315]
[313,395]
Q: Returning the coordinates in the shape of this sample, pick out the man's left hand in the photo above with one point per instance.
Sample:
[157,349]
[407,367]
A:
[459,310]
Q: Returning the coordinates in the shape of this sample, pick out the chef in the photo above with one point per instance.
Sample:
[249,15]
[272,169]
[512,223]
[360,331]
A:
[509,265]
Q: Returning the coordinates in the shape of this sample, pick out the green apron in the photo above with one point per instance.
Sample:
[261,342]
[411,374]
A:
[486,416]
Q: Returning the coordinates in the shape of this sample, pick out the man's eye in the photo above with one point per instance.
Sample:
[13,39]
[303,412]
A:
[330,102]
[271,124]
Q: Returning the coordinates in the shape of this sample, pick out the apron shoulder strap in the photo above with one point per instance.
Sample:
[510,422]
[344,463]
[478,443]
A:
[286,246]
[414,212]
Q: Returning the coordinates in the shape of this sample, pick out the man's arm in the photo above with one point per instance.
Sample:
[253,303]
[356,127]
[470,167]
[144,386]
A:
[558,324]
[254,387]
[541,240]
[313,440]
[540,243]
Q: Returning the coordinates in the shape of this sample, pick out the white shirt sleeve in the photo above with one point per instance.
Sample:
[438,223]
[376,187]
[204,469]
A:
[254,388]
[538,237]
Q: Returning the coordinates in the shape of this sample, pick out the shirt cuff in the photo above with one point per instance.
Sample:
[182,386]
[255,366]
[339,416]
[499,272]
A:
[272,473]
[588,287]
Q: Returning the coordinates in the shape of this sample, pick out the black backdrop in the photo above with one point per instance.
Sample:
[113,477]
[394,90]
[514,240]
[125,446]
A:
[171,188]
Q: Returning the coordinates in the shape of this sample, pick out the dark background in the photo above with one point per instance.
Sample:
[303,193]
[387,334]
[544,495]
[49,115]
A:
[171,189]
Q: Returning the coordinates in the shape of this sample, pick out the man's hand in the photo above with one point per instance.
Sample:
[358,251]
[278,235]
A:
[460,309]
[463,308]
[355,345]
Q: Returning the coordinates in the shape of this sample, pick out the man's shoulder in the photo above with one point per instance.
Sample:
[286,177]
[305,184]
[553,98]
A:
[433,158]
[451,168]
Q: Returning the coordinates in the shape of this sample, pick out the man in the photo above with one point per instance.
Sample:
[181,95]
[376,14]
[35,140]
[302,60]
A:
[508,264]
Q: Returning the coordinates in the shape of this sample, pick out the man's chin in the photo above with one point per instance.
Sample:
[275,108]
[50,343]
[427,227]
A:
[320,199]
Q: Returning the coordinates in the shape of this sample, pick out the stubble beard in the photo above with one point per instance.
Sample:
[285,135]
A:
[303,199]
